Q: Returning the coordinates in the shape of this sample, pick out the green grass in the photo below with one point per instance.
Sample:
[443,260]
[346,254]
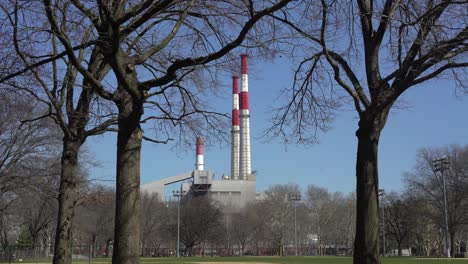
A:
[279,260]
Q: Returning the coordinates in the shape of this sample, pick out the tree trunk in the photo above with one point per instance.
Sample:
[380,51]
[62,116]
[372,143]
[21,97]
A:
[452,243]
[188,250]
[347,246]
[93,243]
[281,248]
[127,212]
[143,247]
[67,199]
[400,253]
[108,247]
[366,243]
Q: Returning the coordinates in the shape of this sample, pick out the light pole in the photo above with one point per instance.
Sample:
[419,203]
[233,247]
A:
[441,165]
[295,197]
[381,194]
[179,195]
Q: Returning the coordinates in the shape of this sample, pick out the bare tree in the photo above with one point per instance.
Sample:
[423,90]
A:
[27,155]
[426,237]
[278,214]
[326,220]
[38,214]
[95,216]
[429,185]
[38,217]
[399,220]
[144,38]
[245,226]
[8,224]
[199,218]
[23,146]
[154,222]
[399,45]
[258,215]
[40,69]
[342,229]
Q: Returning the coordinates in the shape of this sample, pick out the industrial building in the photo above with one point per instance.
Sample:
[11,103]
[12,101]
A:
[233,191]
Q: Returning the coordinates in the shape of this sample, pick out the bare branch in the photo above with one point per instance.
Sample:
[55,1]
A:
[101,128]
[188,62]
[142,58]
[71,55]
[45,61]
[440,70]
[157,141]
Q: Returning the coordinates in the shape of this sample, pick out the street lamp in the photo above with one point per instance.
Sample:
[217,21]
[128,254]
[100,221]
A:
[440,165]
[179,195]
[381,194]
[295,197]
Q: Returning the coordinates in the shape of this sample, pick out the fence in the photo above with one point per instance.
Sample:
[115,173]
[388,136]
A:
[41,254]
[86,252]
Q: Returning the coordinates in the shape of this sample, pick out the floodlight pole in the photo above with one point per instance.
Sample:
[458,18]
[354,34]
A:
[295,197]
[178,226]
[381,194]
[442,164]
[179,195]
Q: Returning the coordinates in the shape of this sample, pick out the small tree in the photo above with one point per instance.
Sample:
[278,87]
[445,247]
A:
[324,208]
[199,219]
[278,214]
[399,220]
[426,237]
[95,215]
[154,219]
[245,226]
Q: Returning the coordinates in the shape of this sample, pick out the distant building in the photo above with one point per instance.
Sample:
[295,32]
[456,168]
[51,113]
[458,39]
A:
[238,189]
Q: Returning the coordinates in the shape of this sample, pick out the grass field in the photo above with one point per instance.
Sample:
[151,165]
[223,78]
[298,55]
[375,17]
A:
[268,260]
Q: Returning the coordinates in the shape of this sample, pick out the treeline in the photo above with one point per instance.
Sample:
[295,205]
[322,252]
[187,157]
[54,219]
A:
[314,220]
[324,221]
[271,225]
[29,173]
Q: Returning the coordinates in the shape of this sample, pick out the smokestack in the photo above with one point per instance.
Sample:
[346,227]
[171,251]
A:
[199,158]
[235,132]
[245,165]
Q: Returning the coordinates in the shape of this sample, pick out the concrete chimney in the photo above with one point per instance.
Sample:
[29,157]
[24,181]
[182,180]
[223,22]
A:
[199,159]
[245,164]
[235,132]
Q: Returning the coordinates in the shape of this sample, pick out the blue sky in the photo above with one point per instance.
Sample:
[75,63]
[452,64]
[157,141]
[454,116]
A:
[435,115]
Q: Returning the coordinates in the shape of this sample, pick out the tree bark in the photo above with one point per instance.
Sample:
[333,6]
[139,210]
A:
[366,243]
[127,213]
[93,243]
[67,199]
[452,242]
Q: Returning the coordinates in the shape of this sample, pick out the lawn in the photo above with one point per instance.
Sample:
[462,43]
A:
[268,260]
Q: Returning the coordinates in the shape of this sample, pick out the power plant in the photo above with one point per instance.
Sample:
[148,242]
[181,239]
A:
[233,191]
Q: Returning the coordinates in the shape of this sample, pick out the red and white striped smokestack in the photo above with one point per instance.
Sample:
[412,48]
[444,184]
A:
[245,163]
[235,132]
[199,158]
